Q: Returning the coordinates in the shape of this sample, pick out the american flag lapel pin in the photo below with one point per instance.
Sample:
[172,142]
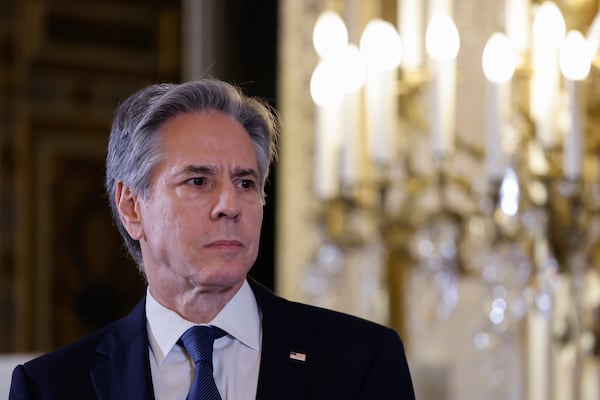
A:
[294,355]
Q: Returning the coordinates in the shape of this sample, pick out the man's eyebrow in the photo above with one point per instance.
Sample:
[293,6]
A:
[200,169]
[241,172]
[213,170]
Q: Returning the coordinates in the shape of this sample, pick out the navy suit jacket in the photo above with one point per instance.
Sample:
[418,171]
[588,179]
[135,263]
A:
[346,358]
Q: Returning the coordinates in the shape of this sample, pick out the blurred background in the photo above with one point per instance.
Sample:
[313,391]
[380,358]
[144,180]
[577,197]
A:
[439,172]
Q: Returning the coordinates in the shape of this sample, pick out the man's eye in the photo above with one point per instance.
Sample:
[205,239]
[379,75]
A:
[198,181]
[247,184]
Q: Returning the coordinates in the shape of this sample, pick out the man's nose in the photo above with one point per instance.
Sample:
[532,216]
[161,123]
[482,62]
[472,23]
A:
[227,204]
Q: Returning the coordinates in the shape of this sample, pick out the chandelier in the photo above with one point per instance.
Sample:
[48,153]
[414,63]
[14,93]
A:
[403,194]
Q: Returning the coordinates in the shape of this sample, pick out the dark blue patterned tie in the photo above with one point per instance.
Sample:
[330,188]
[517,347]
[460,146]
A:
[198,342]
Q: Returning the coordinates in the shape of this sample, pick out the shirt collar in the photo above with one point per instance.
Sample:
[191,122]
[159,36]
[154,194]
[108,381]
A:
[240,318]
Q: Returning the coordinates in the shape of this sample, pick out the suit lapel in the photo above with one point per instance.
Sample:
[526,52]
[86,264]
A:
[125,373]
[285,366]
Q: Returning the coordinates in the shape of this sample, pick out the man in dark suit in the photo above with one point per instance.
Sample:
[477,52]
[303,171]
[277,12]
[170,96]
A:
[185,174]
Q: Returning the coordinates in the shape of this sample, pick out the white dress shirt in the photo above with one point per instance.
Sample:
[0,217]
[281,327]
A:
[236,356]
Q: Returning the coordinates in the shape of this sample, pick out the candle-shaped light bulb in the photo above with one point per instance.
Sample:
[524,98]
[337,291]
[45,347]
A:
[548,35]
[329,34]
[327,90]
[517,23]
[549,26]
[575,64]
[381,46]
[410,24]
[443,43]
[574,57]
[499,59]
[442,39]
[355,73]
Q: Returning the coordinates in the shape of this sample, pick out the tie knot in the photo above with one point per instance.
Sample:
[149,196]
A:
[198,342]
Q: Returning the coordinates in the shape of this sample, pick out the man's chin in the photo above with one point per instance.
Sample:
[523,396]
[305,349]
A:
[222,283]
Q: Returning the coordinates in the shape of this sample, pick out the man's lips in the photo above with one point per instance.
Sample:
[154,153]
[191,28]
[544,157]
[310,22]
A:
[225,244]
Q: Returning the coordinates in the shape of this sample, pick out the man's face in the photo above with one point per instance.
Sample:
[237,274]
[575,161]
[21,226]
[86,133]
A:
[200,225]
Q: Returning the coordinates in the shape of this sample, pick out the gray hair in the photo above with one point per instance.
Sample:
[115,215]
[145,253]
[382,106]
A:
[134,144]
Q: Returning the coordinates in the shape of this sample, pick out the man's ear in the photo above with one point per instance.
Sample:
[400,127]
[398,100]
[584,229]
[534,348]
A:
[129,210]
